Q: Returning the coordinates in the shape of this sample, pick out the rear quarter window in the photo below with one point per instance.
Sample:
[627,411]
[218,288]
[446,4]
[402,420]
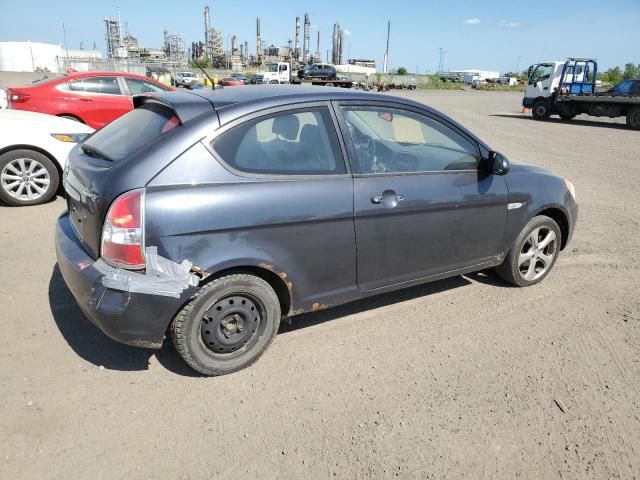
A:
[288,143]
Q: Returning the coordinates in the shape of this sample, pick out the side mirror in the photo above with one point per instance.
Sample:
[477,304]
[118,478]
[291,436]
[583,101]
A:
[498,163]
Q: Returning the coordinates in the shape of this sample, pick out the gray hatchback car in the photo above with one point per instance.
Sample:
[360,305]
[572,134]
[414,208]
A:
[213,215]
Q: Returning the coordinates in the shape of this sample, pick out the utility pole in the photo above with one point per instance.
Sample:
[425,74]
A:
[386,53]
[517,64]
[64,34]
[441,51]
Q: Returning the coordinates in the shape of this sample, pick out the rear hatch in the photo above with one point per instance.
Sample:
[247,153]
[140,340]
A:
[109,163]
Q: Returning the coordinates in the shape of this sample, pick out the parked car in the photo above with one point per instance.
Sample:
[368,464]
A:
[94,98]
[625,88]
[231,82]
[33,153]
[187,79]
[240,76]
[3,98]
[217,213]
[322,71]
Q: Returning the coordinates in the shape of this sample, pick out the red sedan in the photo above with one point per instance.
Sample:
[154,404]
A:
[231,82]
[94,98]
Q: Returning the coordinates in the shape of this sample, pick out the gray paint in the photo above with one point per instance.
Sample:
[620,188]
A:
[322,236]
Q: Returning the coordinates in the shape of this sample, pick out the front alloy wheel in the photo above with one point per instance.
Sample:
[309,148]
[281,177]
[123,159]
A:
[537,253]
[533,254]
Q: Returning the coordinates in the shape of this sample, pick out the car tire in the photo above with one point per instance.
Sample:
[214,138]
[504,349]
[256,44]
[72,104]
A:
[211,333]
[540,110]
[42,174]
[71,117]
[528,261]
[633,118]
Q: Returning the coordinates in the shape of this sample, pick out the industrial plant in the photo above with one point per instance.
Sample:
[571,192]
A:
[123,50]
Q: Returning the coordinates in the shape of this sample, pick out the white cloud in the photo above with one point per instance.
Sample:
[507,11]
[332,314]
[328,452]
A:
[472,21]
[508,24]
[346,32]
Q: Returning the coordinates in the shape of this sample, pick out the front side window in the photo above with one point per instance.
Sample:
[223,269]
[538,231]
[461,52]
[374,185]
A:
[542,72]
[389,140]
[104,85]
[290,143]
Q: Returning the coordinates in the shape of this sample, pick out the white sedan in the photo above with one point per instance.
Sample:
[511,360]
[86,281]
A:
[187,79]
[33,152]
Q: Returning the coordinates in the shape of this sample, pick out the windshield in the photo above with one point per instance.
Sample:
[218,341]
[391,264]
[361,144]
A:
[187,74]
[272,67]
[131,132]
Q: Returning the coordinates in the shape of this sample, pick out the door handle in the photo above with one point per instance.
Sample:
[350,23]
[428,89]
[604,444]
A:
[388,196]
[546,88]
[85,99]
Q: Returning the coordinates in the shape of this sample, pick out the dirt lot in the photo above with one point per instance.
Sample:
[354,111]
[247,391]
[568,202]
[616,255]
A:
[464,378]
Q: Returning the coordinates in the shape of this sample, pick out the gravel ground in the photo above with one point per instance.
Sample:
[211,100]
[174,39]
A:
[463,378]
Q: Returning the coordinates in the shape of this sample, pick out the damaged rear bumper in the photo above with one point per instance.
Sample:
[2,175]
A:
[137,319]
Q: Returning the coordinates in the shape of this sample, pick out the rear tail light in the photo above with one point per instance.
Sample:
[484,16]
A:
[123,231]
[17,97]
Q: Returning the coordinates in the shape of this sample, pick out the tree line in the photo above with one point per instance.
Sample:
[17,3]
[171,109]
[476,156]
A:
[616,74]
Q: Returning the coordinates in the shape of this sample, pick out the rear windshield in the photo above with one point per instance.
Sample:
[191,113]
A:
[131,132]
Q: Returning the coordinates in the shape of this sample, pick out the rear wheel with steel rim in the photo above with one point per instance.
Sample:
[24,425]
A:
[533,254]
[27,177]
[633,118]
[227,325]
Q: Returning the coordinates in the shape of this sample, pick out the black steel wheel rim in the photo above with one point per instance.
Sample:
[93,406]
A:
[232,323]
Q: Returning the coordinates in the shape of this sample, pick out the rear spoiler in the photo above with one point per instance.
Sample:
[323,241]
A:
[186,105]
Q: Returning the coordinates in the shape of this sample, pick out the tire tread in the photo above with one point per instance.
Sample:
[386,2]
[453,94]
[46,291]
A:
[178,325]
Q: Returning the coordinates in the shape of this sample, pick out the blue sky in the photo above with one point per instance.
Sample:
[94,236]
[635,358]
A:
[489,35]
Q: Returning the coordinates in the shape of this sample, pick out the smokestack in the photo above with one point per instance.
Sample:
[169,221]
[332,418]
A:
[334,43]
[307,38]
[234,45]
[318,48]
[386,53]
[297,47]
[258,42]
[340,45]
[206,26]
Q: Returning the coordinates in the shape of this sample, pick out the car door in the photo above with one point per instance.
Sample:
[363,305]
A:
[541,81]
[423,203]
[290,205]
[100,99]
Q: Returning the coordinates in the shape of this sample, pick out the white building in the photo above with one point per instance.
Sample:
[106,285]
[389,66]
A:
[355,69]
[476,74]
[35,56]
